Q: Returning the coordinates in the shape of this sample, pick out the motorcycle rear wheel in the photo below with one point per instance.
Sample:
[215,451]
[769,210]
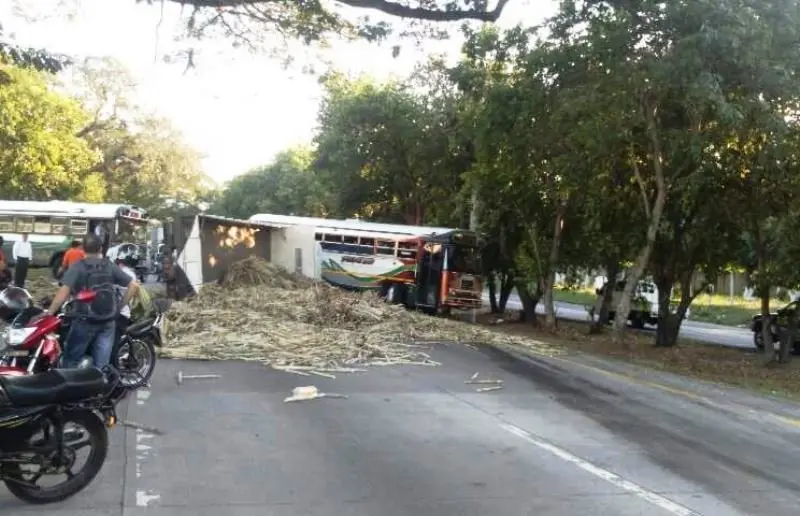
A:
[98,441]
[135,373]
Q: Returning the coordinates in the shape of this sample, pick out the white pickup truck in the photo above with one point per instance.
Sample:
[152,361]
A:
[644,303]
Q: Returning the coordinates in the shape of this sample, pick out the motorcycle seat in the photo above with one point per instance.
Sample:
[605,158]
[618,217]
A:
[139,327]
[54,386]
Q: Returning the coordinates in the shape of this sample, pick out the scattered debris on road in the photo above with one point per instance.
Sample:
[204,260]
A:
[310,392]
[180,377]
[489,389]
[474,380]
[261,312]
[138,426]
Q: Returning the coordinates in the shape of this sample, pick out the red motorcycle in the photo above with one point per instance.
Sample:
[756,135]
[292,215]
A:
[32,342]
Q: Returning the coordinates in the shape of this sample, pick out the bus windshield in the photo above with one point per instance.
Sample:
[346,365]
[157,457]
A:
[464,259]
[130,231]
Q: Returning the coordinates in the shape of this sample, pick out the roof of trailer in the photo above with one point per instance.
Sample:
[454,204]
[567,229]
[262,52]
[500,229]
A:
[350,225]
[82,209]
[229,220]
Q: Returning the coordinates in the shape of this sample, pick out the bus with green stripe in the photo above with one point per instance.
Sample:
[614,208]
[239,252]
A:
[430,268]
[52,225]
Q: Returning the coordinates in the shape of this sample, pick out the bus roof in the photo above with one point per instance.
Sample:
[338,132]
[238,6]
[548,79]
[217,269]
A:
[65,208]
[350,225]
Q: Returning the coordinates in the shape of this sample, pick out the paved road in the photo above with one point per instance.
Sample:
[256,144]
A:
[562,438]
[702,332]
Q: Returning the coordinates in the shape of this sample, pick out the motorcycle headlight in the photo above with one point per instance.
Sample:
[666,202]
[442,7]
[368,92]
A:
[17,336]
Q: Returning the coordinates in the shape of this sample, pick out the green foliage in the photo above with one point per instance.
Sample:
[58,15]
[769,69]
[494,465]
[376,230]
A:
[286,186]
[384,151]
[144,159]
[94,148]
[41,155]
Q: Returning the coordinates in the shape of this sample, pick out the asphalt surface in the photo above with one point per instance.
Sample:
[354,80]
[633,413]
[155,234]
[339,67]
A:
[703,332]
[565,436]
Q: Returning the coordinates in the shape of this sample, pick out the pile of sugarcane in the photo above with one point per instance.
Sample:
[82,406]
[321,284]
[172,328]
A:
[261,312]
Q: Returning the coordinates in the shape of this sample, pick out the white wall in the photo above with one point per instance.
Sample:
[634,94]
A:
[285,241]
[191,258]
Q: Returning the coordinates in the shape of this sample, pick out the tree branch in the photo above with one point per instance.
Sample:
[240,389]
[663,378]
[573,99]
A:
[385,6]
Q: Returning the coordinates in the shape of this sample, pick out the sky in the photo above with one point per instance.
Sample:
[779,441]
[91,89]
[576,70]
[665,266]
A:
[237,109]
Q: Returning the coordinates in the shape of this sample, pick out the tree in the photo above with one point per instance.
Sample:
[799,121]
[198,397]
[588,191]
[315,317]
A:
[145,160]
[41,156]
[432,10]
[26,57]
[286,186]
[383,151]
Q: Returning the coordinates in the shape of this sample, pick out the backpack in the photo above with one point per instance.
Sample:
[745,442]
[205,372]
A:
[100,280]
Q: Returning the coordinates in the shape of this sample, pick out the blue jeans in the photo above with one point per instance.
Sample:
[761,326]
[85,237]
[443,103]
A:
[82,335]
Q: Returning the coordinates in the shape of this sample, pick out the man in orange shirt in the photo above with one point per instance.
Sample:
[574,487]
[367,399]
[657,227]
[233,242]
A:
[74,254]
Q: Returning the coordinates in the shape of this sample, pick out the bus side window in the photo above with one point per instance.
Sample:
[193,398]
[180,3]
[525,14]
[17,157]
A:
[407,249]
[350,244]
[6,224]
[24,224]
[385,247]
[59,226]
[366,245]
[78,226]
[41,225]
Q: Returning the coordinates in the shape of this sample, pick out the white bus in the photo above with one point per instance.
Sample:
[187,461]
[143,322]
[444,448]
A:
[432,268]
[52,225]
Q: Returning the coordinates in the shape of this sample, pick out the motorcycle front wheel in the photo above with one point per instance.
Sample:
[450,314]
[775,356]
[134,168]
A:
[135,359]
[82,429]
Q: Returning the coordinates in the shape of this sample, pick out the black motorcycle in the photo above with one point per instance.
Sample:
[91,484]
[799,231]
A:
[135,350]
[46,420]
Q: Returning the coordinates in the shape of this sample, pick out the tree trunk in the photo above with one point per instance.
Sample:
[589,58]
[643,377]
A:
[490,280]
[552,263]
[506,286]
[766,325]
[654,215]
[529,301]
[763,287]
[787,340]
[474,214]
[666,330]
[672,330]
[612,270]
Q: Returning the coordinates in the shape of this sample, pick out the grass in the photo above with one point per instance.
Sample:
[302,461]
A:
[739,368]
[712,308]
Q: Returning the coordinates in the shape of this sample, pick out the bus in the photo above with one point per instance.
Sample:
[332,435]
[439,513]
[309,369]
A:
[52,225]
[434,269]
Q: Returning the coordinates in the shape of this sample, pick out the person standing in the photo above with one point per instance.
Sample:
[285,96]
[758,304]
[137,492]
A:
[23,254]
[74,254]
[94,326]
[101,231]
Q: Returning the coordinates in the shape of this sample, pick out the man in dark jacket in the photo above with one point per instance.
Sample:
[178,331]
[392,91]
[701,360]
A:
[94,322]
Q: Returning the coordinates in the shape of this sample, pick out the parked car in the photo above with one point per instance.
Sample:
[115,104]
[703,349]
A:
[778,320]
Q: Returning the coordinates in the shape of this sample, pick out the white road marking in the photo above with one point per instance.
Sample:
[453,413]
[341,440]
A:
[143,498]
[142,395]
[143,450]
[612,478]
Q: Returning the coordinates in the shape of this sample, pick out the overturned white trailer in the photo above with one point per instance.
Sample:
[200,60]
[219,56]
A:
[205,246]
